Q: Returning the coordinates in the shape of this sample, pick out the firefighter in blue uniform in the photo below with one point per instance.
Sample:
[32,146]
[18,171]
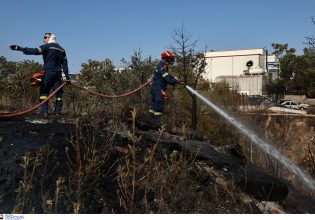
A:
[160,81]
[55,61]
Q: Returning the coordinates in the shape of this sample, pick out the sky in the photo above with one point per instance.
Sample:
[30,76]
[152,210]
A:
[115,29]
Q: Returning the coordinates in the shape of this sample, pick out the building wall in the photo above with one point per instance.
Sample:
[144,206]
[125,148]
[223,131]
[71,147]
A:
[233,63]
[250,84]
[273,67]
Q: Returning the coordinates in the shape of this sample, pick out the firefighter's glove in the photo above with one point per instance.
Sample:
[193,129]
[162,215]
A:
[15,47]
[63,77]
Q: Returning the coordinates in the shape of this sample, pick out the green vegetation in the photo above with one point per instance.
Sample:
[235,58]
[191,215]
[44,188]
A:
[297,73]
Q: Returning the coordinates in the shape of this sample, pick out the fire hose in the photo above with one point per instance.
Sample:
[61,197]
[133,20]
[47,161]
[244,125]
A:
[114,96]
[20,113]
[16,114]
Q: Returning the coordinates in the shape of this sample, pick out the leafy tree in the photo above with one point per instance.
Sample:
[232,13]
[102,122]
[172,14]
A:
[287,59]
[142,68]
[105,78]
[97,73]
[310,73]
[6,67]
[299,81]
[136,73]
[297,73]
[307,76]
[275,88]
[14,80]
[19,83]
[281,50]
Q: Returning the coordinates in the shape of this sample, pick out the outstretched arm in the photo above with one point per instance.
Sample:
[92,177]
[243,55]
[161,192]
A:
[28,51]
[32,51]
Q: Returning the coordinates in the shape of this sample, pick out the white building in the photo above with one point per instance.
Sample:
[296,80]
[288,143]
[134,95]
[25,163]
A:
[244,70]
[273,67]
[235,63]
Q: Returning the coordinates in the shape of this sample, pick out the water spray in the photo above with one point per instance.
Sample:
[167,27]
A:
[258,141]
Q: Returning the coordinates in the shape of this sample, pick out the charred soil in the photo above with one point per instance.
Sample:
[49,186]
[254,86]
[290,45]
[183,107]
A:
[75,166]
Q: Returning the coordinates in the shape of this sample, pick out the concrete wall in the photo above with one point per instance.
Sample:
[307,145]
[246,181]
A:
[233,63]
[250,85]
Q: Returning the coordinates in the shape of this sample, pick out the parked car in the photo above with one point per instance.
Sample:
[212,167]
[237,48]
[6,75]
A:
[282,101]
[294,105]
[259,100]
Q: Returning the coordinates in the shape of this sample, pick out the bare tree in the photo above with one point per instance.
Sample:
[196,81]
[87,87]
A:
[183,48]
[190,64]
[311,40]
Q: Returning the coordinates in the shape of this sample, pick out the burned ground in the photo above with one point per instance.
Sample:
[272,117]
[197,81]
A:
[75,166]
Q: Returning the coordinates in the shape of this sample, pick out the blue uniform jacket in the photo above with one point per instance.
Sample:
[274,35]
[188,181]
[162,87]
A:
[54,56]
[161,77]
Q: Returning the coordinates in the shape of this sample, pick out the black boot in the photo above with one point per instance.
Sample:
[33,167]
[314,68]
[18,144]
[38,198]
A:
[155,125]
[56,117]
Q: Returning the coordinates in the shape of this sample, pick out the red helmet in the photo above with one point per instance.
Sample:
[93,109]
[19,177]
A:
[168,56]
[36,79]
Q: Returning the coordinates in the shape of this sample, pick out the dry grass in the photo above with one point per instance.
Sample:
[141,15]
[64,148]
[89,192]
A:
[34,175]
[154,182]
[148,180]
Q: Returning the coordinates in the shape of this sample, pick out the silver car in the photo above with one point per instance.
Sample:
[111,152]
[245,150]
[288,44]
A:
[294,105]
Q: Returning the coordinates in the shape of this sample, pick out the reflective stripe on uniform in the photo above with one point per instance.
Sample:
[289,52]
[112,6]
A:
[59,99]
[39,49]
[165,75]
[43,97]
[155,113]
[56,48]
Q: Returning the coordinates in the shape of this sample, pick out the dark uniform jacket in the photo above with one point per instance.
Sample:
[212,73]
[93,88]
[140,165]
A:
[161,77]
[54,56]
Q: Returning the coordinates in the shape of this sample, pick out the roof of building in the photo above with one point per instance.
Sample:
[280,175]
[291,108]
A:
[227,53]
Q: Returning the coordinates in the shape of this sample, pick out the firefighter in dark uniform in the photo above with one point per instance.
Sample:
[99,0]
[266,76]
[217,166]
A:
[55,61]
[160,81]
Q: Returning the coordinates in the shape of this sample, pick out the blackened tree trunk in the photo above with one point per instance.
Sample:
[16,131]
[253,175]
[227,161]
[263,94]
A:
[194,113]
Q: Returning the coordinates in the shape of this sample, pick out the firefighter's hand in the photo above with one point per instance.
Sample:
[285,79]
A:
[15,47]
